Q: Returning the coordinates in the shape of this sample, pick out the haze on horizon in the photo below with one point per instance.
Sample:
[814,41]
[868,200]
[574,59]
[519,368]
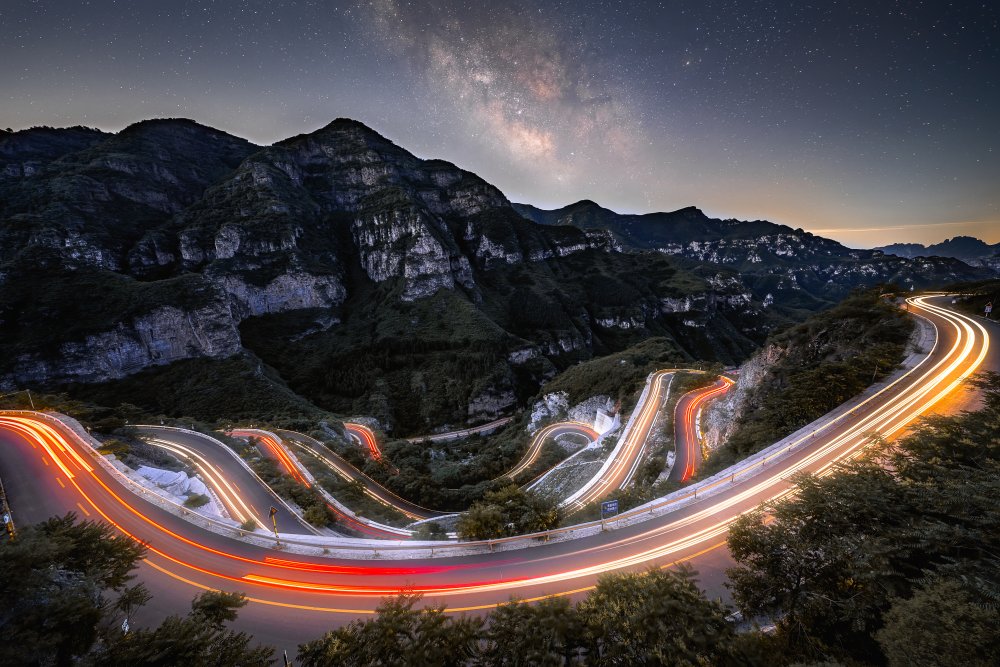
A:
[869,125]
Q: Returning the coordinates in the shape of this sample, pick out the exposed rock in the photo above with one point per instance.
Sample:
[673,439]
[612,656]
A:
[551,408]
[721,417]
[289,291]
[491,404]
[160,337]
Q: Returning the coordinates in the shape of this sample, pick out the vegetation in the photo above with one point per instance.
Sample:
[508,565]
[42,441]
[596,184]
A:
[65,587]
[506,512]
[314,507]
[889,561]
[26,312]
[892,560]
[196,500]
[214,390]
[657,618]
[400,635]
[431,530]
[824,362]
[975,296]
[417,365]
[618,375]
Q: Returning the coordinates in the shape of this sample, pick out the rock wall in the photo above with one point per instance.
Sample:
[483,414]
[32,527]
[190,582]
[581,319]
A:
[160,337]
[721,417]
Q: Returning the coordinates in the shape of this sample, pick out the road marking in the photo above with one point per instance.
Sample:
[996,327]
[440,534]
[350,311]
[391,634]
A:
[83,509]
[60,483]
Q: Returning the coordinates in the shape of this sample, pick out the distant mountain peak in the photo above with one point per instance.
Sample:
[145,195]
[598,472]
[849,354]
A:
[690,212]
[965,248]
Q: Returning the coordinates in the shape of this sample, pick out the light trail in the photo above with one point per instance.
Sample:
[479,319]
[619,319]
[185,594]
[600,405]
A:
[538,441]
[686,425]
[291,466]
[700,526]
[217,481]
[619,469]
[364,435]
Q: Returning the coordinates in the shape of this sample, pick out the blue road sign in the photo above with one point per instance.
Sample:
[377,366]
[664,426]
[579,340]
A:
[609,507]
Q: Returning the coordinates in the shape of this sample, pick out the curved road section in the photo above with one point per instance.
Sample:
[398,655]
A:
[687,439]
[295,596]
[542,436]
[243,493]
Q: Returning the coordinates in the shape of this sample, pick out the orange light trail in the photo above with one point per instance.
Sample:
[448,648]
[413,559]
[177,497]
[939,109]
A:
[923,388]
[366,436]
[704,396]
[535,448]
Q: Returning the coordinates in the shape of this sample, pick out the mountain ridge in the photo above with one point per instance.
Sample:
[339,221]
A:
[369,280]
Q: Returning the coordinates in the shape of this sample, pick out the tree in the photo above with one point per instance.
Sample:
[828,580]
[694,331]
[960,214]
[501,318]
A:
[64,590]
[58,582]
[832,562]
[431,530]
[942,624]
[507,512]
[399,635]
[656,618]
[549,632]
[199,638]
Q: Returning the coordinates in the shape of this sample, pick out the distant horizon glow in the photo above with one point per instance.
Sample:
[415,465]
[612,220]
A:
[867,124]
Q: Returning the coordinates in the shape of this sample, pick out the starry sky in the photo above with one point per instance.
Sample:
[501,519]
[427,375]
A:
[870,121]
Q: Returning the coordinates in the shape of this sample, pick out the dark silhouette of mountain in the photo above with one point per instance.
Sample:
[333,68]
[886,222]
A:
[966,248]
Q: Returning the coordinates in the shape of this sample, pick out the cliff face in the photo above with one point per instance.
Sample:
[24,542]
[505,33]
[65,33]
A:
[722,416]
[160,337]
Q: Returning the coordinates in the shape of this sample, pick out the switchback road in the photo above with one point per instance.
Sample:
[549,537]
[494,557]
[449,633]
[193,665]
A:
[49,469]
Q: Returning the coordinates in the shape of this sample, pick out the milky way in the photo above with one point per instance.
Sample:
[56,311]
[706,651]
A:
[869,121]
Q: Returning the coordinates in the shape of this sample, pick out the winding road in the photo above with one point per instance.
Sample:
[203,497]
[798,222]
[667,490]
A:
[297,591]
[687,440]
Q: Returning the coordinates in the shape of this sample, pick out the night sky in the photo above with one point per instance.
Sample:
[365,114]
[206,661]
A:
[869,122]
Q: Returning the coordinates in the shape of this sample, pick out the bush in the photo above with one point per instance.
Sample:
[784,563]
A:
[430,531]
[196,500]
[507,512]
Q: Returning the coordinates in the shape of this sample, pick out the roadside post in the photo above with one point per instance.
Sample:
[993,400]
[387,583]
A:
[608,508]
[274,522]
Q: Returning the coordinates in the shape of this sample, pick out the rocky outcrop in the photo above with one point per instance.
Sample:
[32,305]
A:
[409,245]
[160,337]
[721,417]
[490,404]
[289,291]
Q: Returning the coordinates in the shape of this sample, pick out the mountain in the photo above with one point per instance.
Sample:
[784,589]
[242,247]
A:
[777,263]
[342,272]
[335,264]
[969,249]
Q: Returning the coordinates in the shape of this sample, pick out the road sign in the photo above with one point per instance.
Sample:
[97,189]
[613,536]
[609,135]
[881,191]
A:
[609,507]
[989,308]
[125,627]
[274,510]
